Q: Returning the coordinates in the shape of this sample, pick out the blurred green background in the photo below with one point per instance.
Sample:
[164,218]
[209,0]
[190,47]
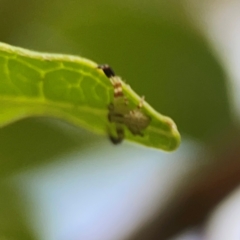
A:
[157,49]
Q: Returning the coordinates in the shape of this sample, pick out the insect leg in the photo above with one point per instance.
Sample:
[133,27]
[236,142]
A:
[120,136]
[115,80]
[107,70]
[126,100]
[140,104]
[115,113]
[117,86]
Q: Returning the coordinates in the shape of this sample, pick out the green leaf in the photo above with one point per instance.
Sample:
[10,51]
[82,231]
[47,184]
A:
[73,89]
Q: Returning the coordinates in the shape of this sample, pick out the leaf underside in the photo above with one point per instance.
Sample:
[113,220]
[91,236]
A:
[73,89]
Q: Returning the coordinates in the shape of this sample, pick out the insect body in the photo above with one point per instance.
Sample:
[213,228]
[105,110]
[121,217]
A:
[120,113]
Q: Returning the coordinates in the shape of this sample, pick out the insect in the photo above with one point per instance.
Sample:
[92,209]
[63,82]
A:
[121,113]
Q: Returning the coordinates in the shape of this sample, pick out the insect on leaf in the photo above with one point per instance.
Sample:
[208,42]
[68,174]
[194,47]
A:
[73,89]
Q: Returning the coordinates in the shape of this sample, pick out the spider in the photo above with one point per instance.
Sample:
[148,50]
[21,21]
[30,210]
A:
[121,113]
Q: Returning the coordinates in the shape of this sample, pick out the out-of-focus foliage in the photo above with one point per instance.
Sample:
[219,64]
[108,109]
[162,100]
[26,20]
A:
[174,68]
[152,45]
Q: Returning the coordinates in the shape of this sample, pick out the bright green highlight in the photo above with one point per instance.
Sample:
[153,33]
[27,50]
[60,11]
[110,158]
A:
[70,88]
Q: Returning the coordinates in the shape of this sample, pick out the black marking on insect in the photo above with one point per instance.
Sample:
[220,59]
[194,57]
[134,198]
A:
[120,136]
[120,113]
[107,70]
